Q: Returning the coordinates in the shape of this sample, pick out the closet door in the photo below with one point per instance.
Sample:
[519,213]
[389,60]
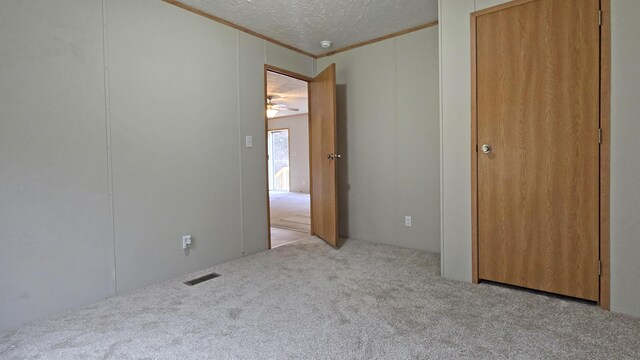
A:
[537,105]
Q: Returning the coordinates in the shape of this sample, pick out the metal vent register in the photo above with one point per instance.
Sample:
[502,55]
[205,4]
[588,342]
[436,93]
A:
[200,279]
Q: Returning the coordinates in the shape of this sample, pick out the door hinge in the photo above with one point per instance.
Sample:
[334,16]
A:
[599,268]
[599,136]
[599,17]
[476,147]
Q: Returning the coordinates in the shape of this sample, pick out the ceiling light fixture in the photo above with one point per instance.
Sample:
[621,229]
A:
[325,43]
[271,113]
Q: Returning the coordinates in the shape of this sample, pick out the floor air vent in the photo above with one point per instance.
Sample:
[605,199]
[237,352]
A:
[200,279]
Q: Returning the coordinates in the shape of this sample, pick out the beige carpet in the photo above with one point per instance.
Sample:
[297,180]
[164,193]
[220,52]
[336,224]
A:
[290,210]
[308,300]
[281,237]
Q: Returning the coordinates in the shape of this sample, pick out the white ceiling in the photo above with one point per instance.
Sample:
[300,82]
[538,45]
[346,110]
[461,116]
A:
[304,23]
[289,91]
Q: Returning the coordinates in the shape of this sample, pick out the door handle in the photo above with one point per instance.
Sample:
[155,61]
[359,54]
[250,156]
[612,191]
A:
[486,148]
[334,156]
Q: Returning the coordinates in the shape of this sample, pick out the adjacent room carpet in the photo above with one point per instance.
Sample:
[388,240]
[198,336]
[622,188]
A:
[307,300]
[281,237]
[290,210]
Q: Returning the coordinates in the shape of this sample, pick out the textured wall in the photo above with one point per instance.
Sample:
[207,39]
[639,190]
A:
[55,225]
[252,57]
[455,113]
[175,143]
[183,92]
[254,53]
[625,161]
[388,133]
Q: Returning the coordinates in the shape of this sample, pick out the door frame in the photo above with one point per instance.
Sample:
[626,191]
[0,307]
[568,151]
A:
[605,146]
[307,79]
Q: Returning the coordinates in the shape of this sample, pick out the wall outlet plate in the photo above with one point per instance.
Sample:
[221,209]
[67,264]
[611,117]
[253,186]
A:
[407,221]
[186,241]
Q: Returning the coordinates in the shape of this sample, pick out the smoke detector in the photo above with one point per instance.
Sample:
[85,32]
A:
[325,43]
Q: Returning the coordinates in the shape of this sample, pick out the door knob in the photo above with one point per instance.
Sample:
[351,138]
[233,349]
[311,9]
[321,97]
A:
[486,148]
[334,156]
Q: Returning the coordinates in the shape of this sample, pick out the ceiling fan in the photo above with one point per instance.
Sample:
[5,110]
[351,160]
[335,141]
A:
[273,109]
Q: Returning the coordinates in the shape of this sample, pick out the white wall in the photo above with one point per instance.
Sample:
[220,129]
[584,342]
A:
[252,57]
[289,60]
[170,124]
[455,123]
[389,136]
[298,126]
[456,130]
[55,226]
[625,162]
[161,137]
[254,53]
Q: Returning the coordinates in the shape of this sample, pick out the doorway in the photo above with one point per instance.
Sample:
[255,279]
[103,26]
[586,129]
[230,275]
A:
[319,184]
[288,159]
[540,146]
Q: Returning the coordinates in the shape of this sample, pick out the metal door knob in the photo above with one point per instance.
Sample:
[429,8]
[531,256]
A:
[486,148]
[334,156]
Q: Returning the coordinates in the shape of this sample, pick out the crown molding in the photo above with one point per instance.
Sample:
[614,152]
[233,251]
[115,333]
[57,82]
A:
[378,39]
[293,48]
[237,27]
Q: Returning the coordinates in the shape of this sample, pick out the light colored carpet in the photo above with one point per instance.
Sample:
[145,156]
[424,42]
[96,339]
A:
[290,210]
[281,237]
[310,301]
[306,220]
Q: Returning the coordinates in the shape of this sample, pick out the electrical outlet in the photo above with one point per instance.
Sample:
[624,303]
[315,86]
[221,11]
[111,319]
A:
[407,221]
[249,141]
[186,241]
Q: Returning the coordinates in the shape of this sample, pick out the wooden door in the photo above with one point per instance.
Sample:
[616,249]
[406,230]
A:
[537,72]
[322,120]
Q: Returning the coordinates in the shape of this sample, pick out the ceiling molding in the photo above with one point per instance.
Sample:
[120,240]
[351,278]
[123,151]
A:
[378,39]
[293,48]
[236,26]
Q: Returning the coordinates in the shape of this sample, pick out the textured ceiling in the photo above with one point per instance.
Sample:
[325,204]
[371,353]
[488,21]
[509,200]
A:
[304,23]
[289,91]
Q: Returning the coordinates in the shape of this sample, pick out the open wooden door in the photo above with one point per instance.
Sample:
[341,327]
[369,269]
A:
[324,157]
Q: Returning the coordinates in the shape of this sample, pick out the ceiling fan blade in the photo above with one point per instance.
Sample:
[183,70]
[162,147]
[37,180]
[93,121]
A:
[282,107]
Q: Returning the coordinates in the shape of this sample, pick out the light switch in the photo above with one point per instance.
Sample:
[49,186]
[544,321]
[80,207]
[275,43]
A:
[249,141]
